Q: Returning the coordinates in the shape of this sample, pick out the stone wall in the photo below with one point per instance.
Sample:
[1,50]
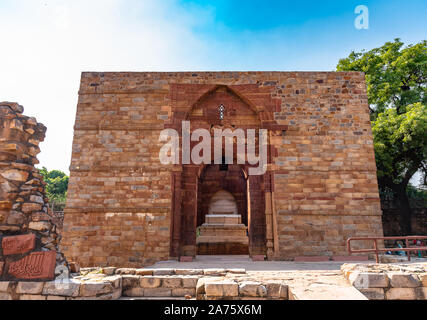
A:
[28,236]
[125,208]
[388,282]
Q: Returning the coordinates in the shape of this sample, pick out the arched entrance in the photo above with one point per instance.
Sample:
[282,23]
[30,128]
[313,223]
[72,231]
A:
[195,184]
[222,211]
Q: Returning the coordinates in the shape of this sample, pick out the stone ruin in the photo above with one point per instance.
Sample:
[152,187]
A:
[29,237]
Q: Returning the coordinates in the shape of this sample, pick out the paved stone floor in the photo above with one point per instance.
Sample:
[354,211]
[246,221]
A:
[306,280]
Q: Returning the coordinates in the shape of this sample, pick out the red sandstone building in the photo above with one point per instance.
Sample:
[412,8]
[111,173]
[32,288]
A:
[125,208]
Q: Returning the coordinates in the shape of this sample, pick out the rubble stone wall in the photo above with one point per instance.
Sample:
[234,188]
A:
[28,237]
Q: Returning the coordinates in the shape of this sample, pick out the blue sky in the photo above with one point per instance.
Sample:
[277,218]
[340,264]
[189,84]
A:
[48,43]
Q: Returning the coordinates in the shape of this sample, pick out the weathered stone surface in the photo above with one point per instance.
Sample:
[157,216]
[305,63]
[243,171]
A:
[373,293]
[171,282]
[401,294]
[32,297]
[4,286]
[144,272]
[116,281]
[5,296]
[90,289]
[423,279]
[200,287]
[363,280]
[55,298]
[134,292]
[163,272]
[224,288]
[18,244]
[65,288]
[236,271]
[15,175]
[189,281]
[252,289]
[1,267]
[276,289]
[29,287]
[189,271]
[130,281]
[182,292]
[421,293]
[109,270]
[214,272]
[37,265]
[125,271]
[157,292]
[150,282]
[31,207]
[40,226]
[400,280]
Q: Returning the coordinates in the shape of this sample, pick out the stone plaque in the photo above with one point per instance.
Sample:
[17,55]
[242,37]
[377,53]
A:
[18,244]
[37,265]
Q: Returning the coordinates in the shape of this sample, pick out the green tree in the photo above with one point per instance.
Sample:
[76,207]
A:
[56,185]
[396,78]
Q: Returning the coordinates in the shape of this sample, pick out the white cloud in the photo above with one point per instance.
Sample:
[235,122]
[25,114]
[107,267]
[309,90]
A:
[47,44]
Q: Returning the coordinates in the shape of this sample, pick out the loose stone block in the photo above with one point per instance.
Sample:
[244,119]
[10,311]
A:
[276,289]
[66,288]
[400,280]
[401,294]
[18,244]
[130,281]
[29,287]
[363,280]
[116,281]
[224,288]
[150,282]
[37,265]
[373,293]
[252,289]
[89,289]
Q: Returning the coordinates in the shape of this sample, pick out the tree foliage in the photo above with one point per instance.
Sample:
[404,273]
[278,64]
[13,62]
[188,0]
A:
[56,184]
[396,78]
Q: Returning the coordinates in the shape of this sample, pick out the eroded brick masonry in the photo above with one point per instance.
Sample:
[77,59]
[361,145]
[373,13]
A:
[125,208]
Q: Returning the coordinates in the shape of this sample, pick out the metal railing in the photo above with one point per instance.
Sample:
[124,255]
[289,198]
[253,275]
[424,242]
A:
[377,250]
